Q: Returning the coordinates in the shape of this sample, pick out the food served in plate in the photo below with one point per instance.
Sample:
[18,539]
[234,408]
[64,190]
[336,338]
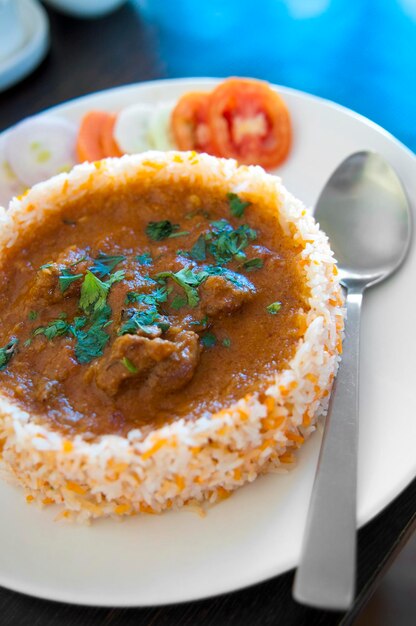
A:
[171,329]
[241,118]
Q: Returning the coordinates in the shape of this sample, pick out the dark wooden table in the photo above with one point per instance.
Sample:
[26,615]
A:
[89,56]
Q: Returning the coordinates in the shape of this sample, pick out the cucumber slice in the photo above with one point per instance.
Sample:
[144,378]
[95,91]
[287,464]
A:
[159,127]
[131,130]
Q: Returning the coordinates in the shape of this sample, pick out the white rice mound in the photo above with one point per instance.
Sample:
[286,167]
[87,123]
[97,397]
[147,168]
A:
[182,463]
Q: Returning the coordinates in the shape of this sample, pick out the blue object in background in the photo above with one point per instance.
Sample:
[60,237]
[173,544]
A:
[359,53]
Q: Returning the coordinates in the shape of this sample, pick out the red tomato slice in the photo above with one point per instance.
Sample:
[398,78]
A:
[249,122]
[189,123]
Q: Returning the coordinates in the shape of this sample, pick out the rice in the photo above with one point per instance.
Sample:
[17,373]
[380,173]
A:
[184,462]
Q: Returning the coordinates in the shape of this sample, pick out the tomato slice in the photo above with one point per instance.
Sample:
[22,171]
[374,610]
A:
[249,122]
[95,137]
[189,122]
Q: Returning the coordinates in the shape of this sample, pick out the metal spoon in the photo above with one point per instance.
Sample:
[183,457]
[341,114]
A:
[364,211]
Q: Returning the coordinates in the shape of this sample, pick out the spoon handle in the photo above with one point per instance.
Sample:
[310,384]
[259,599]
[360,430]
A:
[326,575]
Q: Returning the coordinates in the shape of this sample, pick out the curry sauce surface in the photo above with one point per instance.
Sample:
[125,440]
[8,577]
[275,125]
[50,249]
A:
[192,358]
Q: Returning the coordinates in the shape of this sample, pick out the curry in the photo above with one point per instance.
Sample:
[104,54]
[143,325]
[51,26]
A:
[134,309]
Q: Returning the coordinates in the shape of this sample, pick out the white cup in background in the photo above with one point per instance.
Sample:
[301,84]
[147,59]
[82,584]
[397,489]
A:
[85,8]
[12,34]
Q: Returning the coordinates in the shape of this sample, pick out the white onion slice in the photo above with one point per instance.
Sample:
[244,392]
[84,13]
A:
[40,147]
[10,185]
[160,135]
[131,130]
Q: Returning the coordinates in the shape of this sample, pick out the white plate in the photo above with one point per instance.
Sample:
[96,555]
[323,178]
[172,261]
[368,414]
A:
[257,533]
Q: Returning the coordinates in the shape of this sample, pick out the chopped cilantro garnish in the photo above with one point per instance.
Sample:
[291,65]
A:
[183,232]
[253,264]
[144,259]
[45,266]
[129,365]
[83,258]
[239,280]
[237,206]
[145,319]
[274,307]
[56,328]
[140,320]
[90,343]
[33,315]
[226,243]
[161,230]
[208,340]
[152,299]
[226,342]
[188,280]
[178,302]
[104,264]
[201,212]
[94,291]
[202,322]
[66,279]
[198,250]
[7,352]
[77,324]
[164,326]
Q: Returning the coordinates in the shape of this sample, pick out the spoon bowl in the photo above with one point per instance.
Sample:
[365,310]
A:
[365,213]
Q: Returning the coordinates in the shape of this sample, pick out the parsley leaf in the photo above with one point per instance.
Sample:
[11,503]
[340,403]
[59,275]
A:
[208,340]
[33,315]
[274,307]
[129,365]
[178,302]
[183,232]
[104,264]
[226,342]
[56,328]
[94,291]
[226,242]
[145,319]
[140,320]
[161,230]
[237,206]
[144,259]
[46,266]
[198,250]
[7,352]
[253,264]
[152,299]
[188,280]
[202,322]
[164,326]
[66,279]
[90,343]
[239,280]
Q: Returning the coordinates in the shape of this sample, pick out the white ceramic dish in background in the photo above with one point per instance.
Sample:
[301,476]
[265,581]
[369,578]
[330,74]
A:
[257,533]
[33,47]
[11,29]
[85,8]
